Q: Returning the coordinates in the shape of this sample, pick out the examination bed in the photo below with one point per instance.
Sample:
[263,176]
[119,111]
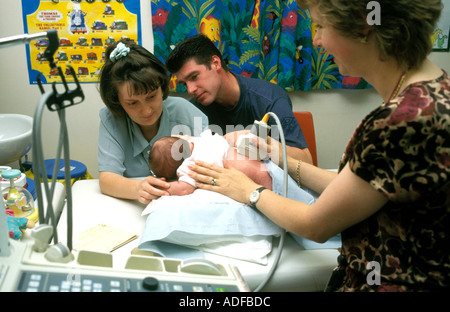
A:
[298,269]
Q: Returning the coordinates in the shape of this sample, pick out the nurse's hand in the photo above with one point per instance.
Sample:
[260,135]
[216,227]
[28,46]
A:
[152,188]
[232,137]
[226,180]
[271,147]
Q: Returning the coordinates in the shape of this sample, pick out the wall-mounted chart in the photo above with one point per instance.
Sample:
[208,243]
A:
[85,29]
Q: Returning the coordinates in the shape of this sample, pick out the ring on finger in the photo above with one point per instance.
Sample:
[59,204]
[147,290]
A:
[213,182]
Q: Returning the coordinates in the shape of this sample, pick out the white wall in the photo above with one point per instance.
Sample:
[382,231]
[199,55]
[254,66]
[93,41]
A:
[19,97]
[336,112]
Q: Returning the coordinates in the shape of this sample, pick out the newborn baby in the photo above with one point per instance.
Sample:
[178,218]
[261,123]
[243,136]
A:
[170,156]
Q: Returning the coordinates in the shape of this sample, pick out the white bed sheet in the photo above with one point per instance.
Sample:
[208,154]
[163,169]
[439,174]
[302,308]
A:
[298,269]
[206,221]
[209,221]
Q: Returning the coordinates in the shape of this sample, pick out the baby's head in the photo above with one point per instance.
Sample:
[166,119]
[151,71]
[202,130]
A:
[166,155]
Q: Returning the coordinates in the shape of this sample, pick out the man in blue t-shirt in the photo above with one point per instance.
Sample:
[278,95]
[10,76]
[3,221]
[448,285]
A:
[233,102]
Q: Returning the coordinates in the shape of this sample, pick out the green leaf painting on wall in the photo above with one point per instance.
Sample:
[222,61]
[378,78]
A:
[264,39]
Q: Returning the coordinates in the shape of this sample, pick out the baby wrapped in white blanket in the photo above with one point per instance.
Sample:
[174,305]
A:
[211,222]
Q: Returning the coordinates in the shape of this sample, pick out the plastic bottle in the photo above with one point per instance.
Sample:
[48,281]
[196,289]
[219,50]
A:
[16,198]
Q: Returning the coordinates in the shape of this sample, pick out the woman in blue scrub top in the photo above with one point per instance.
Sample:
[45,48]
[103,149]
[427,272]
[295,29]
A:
[134,86]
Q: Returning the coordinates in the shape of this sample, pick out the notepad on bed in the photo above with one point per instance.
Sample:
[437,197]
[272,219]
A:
[103,238]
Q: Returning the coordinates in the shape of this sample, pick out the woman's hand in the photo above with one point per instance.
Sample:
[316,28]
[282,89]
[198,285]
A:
[145,190]
[151,188]
[227,180]
[270,146]
[231,137]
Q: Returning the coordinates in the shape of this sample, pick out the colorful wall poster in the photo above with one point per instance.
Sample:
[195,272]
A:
[85,29]
[440,38]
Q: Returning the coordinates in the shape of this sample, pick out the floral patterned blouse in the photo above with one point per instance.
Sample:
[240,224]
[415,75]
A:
[402,149]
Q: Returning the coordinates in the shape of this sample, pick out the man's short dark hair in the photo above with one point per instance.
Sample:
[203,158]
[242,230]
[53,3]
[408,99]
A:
[198,47]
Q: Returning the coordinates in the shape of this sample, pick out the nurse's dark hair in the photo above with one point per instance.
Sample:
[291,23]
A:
[142,70]
[198,47]
[403,32]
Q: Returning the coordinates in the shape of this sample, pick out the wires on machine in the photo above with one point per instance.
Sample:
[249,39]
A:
[54,101]
[285,189]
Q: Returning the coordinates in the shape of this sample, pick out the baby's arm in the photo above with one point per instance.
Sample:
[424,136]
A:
[180,188]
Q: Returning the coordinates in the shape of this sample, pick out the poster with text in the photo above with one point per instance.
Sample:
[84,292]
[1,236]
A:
[85,29]
[440,37]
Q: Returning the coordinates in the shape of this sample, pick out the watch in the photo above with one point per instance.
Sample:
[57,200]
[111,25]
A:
[254,196]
